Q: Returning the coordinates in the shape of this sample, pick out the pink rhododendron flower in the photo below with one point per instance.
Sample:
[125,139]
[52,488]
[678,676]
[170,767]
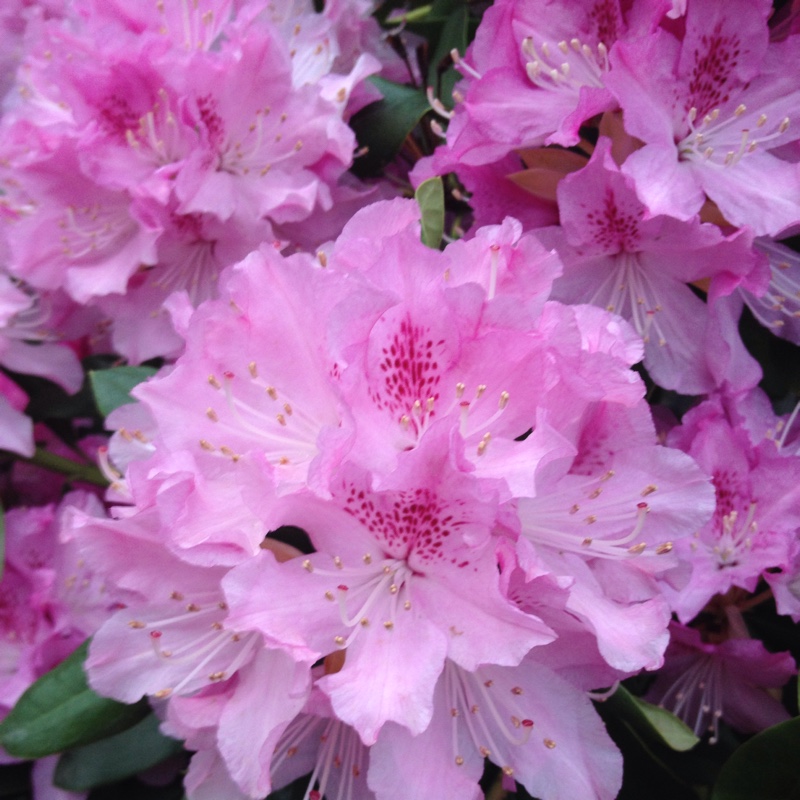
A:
[429,419]
[712,109]
[778,309]
[703,682]
[413,557]
[533,75]
[621,257]
[757,512]
[50,600]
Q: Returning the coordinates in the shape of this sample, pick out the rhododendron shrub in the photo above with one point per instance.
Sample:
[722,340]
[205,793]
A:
[399,401]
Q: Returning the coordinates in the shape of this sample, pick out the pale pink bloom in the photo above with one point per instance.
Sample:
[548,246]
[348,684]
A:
[403,578]
[172,609]
[75,234]
[255,381]
[191,254]
[262,138]
[538,728]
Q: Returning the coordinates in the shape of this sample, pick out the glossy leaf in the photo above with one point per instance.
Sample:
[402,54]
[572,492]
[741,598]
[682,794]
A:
[651,722]
[118,757]
[60,711]
[382,126]
[111,387]
[430,196]
[764,768]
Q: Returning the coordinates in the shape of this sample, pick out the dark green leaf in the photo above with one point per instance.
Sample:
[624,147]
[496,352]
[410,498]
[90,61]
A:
[442,76]
[111,387]
[60,711]
[430,196]
[383,126]
[651,722]
[67,467]
[116,758]
[764,768]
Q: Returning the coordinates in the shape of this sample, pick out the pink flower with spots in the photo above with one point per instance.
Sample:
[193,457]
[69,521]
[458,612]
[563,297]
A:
[714,111]
[401,578]
[620,257]
[757,511]
[534,74]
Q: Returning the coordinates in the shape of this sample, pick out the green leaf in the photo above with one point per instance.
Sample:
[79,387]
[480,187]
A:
[651,722]
[764,768]
[66,466]
[116,758]
[60,711]
[111,387]
[430,196]
[453,37]
[382,126]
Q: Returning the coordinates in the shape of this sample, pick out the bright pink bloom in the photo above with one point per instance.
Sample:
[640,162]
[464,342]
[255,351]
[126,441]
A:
[713,109]
[50,600]
[757,511]
[620,257]
[533,75]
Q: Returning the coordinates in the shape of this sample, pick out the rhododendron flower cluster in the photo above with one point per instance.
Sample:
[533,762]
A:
[438,449]
[445,464]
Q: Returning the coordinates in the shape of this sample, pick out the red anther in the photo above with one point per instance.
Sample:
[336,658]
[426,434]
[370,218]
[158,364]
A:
[228,374]
[155,634]
[342,588]
[527,723]
[642,506]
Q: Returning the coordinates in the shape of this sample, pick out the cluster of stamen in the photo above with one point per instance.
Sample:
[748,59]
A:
[157,133]
[87,230]
[735,535]
[467,430]
[256,151]
[709,138]
[781,302]
[565,65]
[491,713]
[551,528]
[382,586]
[628,291]
[210,653]
[287,434]
[340,758]
[696,697]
